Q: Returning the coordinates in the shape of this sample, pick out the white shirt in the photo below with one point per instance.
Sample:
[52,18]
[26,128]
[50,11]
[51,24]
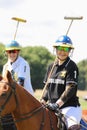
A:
[21,69]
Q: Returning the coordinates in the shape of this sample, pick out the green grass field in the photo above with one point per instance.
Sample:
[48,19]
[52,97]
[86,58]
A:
[81,95]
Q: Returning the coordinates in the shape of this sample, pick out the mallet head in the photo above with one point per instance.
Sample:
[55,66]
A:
[73,18]
[19,19]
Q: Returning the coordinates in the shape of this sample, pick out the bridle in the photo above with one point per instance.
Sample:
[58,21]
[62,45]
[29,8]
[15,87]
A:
[13,86]
[12,91]
[23,116]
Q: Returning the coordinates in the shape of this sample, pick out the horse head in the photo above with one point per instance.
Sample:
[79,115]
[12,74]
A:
[27,111]
[7,88]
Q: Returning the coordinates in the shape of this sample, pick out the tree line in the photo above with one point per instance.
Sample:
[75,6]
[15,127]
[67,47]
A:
[39,58]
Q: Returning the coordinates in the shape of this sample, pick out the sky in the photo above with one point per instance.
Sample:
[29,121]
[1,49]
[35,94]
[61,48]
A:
[45,23]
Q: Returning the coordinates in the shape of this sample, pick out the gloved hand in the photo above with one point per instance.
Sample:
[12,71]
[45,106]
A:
[53,106]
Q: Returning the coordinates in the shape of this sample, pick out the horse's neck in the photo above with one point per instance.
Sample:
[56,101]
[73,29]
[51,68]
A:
[27,107]
[26,102]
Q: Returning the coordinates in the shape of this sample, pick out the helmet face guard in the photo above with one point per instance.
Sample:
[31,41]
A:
[64,41]
[14,45]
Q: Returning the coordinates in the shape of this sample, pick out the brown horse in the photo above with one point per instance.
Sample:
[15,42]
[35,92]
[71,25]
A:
[28,113]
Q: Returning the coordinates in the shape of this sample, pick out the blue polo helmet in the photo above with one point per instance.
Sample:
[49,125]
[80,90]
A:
[13,45]
[64,41]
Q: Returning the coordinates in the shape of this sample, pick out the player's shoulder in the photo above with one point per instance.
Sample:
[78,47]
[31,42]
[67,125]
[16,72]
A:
[23,61]
[72,63]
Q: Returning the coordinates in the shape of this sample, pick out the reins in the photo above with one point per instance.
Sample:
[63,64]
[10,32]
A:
[27,115]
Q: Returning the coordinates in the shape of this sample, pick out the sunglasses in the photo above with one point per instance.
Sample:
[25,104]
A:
[12,51]
[60,48]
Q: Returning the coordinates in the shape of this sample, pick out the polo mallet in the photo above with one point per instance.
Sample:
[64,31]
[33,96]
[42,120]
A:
[55,61]
[72,19]
[18,20]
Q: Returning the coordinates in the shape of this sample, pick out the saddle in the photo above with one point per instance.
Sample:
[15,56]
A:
[60,123]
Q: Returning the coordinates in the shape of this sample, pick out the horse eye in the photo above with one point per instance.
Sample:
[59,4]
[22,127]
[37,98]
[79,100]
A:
[4,95]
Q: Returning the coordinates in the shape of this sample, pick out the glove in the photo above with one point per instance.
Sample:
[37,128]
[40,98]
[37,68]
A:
[21,81]
[53,106]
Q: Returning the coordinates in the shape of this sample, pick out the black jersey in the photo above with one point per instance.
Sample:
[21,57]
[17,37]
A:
[62,83]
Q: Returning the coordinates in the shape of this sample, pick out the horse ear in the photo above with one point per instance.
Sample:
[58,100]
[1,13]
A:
[1,78]
[8,76]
